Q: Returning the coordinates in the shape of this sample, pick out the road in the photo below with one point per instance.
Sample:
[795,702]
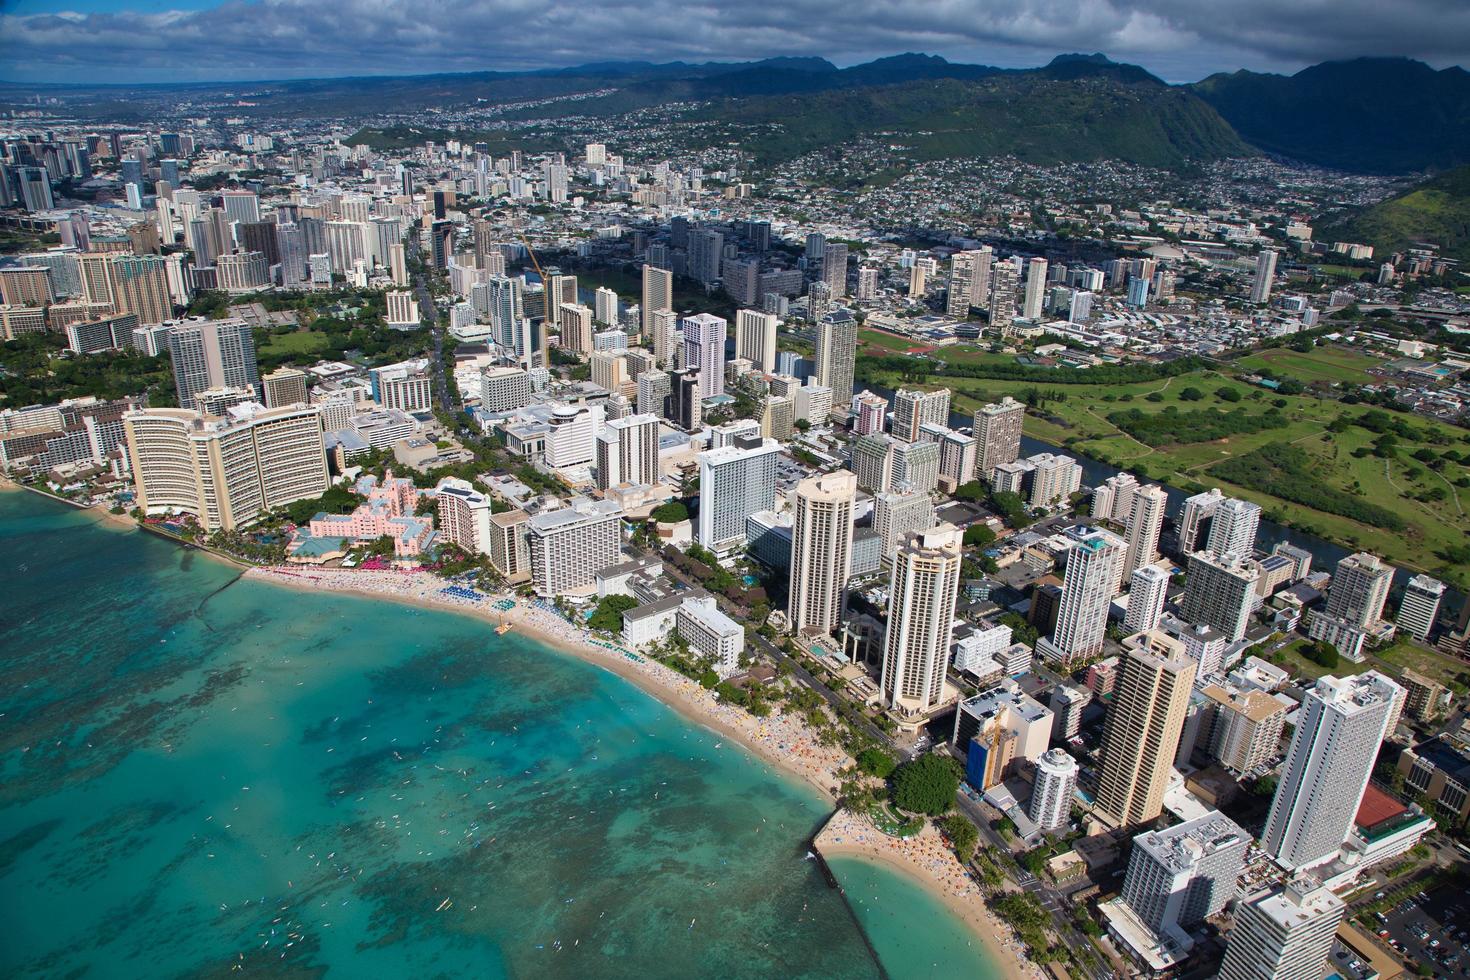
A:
[1050,899]
[436,330]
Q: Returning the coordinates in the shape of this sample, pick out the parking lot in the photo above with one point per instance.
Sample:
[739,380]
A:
[1431,928]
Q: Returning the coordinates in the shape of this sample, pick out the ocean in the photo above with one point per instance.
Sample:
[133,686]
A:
[200,773]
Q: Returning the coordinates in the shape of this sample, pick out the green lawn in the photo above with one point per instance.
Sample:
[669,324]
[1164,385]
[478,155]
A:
[301,343]
[1405,653]
[1323,363]
[1290,657]
[886,341]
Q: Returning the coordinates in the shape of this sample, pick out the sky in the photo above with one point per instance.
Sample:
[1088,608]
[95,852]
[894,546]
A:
[1178,40]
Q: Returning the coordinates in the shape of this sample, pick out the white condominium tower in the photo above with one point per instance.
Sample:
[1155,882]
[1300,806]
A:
[1035,289]
[569,546]
[969,280]
[226,471]
[704,351]
[911,409]
[1145,521]
[895,515]
[464,516]
[658,295]
[821,551]
[755,339]
[836,356]
[1420,606]
[1221,592]
[735,481]
[1087,590]
[1233,527]
[924,587]
[1354,605]
[1148,586]
[1141,736]
[1339,728]
[1265,276]
[627,452]
[998,434]
[1051,793]
[1283,933]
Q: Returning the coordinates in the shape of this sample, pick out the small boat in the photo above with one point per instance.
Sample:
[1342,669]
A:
[504,628]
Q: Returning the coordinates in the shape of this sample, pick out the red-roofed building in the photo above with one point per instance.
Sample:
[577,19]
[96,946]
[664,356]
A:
[1377,808]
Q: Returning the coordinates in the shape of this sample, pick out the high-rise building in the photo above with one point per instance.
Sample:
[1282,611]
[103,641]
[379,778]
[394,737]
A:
[1420,606]
[1221,592]
[706,254]
[834,268]
[627,452]
[1246,728]
[872,462]
[704,351]
[1087,591]
[922,594]
[653,392]
[1145,521]
[1035,289]
[658,295]
[1147,588]
[867,283]
[228,471]
[212,354]
[912,408]
[285,386]
[916,465]
[605,302]
[1196,519]
[1233,527]
[569,546]
[1142,732]
[1283,933]
[1051,791]
[969,281]
[1339,728]
[407,386]
[735,481]
[464,516]
[870,412]
[755,339]
[576,328]
[821,551]
[836,356]
[1355,601]
[998,434]
[1265,276]
[1003,295]
[665,337]
[1180,876]
[403,309]
[140,285]
[896,515]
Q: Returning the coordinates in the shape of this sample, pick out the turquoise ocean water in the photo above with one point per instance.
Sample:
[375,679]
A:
[199,774]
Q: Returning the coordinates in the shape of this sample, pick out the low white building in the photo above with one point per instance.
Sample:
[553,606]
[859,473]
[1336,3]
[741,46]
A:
[710,633]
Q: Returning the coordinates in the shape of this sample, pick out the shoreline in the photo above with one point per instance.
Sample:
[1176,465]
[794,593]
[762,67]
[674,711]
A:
[927,860]
[782,741]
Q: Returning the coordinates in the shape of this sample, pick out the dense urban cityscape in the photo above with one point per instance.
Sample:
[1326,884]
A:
[1091,533]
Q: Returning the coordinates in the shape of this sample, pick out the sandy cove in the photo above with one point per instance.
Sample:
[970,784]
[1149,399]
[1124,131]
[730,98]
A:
[928,859]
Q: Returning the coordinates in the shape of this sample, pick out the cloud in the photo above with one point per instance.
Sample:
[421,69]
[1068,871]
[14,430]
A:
[256,39]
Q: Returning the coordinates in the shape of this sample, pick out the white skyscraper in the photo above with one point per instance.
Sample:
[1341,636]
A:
[1265,275]
[1283,933]
[1145,521]
[735,481]
[1221,591]
[1180,876]
[704,351]
[1051,793]
[821,551]
[969,280]
[1195,520]
[1035,289]
[627,452]
[1233,527]
[1087,590]
[1355,601]
[1420,606]
[895,515]
[755,339]
[1339,728]
[836,356]
[998,434]
[912,408]
[1147,588]
[606,303]
[924,587]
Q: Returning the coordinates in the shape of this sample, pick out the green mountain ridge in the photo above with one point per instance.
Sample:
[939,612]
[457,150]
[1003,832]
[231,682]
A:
[1437,211]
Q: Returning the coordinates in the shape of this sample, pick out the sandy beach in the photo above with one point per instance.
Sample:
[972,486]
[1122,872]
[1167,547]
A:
[929,860]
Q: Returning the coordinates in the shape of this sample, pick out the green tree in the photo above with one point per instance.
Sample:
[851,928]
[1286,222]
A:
[978,536]
[962,836]
[670,513]
[876,762]
[927,785]
[608,617]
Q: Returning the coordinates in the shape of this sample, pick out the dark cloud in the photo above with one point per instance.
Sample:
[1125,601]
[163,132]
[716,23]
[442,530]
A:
[1181,40]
